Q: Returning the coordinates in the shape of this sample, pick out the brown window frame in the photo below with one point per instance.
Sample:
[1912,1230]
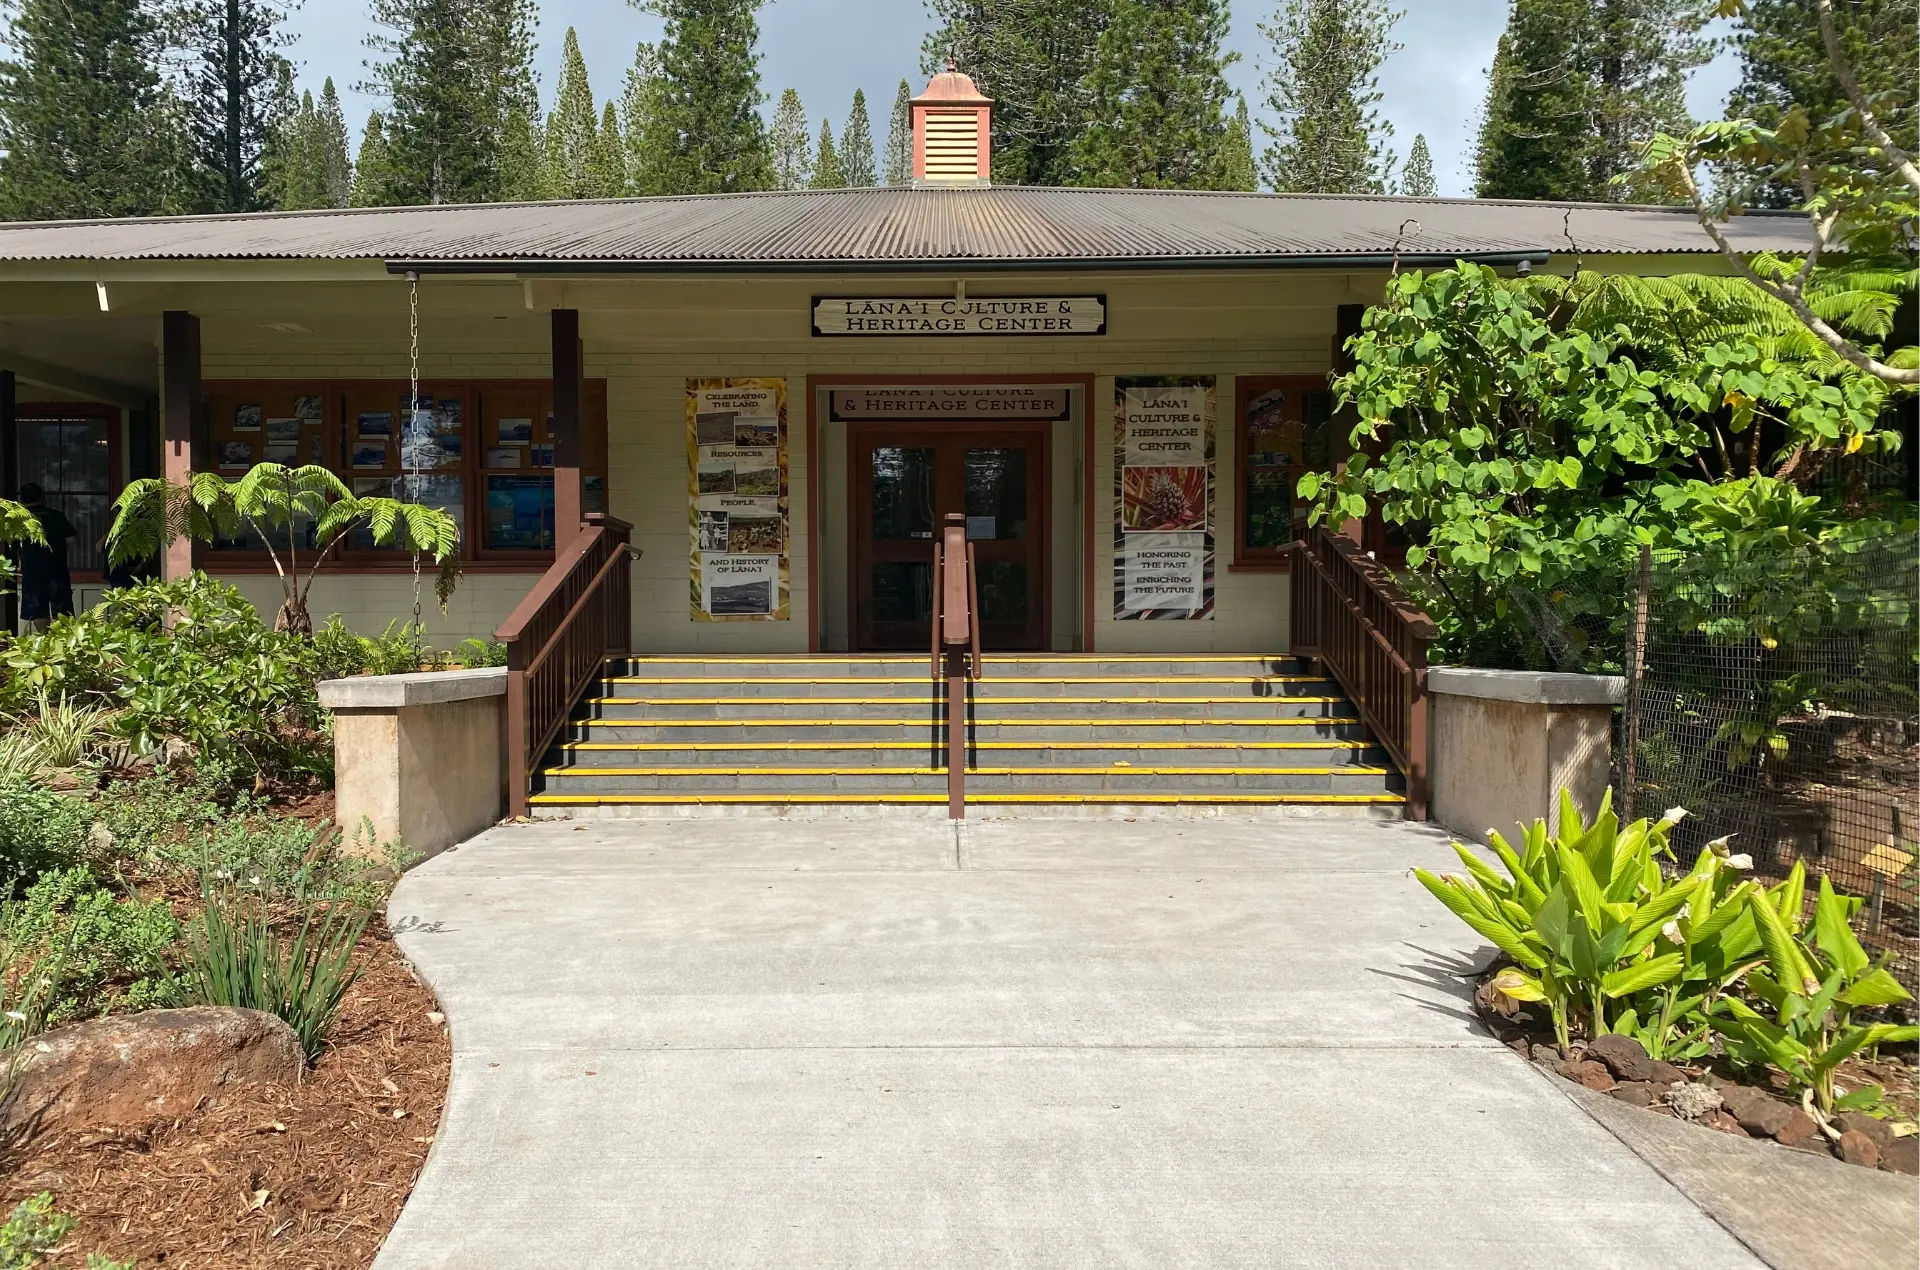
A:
[343,400]
[1247,389]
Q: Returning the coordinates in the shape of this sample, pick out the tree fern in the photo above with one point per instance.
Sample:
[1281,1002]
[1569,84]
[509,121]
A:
[272,500]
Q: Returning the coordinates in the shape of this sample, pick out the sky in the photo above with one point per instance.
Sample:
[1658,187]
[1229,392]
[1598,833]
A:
[827,48]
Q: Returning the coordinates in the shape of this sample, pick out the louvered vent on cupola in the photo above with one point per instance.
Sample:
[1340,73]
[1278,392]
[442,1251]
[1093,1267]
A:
[952,132]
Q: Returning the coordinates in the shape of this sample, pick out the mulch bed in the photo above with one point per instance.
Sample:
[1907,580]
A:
[312,1176]
[1530,1035]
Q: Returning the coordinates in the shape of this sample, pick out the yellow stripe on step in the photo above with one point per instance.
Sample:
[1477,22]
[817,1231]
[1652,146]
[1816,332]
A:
[1113,769]
[856,680]
[979,702]
[778,797]
[923,721]
[720,746]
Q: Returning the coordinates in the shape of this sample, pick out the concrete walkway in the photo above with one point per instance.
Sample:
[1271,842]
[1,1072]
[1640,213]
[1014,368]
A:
[869,1043]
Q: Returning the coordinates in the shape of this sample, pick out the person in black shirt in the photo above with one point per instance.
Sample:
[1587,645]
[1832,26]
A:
[46,585]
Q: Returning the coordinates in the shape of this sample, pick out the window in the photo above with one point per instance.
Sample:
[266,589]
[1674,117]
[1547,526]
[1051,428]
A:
[480,450]
[69,450]
[1283,428]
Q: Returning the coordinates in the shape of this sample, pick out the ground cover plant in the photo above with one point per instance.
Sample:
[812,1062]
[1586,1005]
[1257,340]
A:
[1704,970]
[166,839]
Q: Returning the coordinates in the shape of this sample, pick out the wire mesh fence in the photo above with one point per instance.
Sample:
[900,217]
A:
[1771,692]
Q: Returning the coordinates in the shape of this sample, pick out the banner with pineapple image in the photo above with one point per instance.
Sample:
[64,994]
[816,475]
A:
[737,499]
[1163,497]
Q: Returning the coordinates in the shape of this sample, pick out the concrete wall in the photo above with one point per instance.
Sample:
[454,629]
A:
[1505,743]
[646,337]
[419,757]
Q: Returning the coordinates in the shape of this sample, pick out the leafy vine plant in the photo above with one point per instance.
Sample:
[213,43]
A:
[281,506]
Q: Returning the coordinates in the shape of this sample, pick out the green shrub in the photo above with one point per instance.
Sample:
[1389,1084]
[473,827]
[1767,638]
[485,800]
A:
[1815,977]
[1590,919]
[39,830]
[188,660]
[239,959]
[475,653]
[32,1232]
[111,953]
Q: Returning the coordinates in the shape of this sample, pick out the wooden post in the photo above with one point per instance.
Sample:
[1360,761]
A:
[1346,325]
[569,393]
[182,427]
[9,476]
[956,635]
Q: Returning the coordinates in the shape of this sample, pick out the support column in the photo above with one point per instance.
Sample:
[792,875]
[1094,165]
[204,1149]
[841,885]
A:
[181,440]
[569,394]
[9,476]
[1346,325]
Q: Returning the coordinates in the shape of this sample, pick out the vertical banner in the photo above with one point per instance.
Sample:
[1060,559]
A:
[1163,497]
[737,499]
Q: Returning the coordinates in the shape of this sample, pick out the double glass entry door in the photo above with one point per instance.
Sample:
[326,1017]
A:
[906,482]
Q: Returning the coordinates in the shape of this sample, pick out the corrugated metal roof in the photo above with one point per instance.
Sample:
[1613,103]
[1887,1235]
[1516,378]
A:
[1018,226]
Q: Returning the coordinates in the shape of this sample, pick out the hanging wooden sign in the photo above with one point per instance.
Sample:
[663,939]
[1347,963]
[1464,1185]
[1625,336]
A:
[946,315]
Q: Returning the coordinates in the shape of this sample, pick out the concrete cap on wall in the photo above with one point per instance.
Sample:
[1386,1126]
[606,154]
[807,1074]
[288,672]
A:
[391,692]
[1533,687]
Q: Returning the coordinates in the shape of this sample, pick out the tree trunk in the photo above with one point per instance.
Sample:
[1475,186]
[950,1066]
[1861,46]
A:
[294,619]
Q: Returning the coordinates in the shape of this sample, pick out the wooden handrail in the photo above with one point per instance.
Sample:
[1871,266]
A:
[1352,617]
[956,646]
[558,639]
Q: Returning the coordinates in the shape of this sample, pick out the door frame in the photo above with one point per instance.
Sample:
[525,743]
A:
[1039,479]
[1082,383]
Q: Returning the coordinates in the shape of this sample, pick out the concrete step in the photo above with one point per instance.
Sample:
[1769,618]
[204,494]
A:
[996,666]
[931,750]
[914,728]
[1106,802]
[922,688]
[652,709]
[985,779]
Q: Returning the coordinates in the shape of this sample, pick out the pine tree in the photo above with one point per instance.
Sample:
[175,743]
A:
[900,138]
[1577,87]
[1158,96]
[1237,171]
[856,146]
[1326,91]
[297,178]
[636,112]
[1032,57]
[233,47]
[86,126]
[610,156]
[1416,180]
[523,159]
[706,136]
[827,173]
[372,174]
[790,145]
[330,137]
[1783,63]
[454,71]
[573,134]
[282,162]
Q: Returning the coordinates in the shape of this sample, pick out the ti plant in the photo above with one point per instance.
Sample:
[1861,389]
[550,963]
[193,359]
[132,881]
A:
[282,506]
[1813,979]
[1581,914]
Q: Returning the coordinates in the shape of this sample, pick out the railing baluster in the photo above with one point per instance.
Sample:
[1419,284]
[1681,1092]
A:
[558,639]
[1354,620]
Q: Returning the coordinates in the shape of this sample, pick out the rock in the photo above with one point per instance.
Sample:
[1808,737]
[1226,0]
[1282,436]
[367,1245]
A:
[133,1068]
[1872,1128]
[1546,1054]
[1519,1045]
[1692,1102]
[1640,1093]
[1760,1114]
[1903,1156]
[1724,1123]
[1798,1129]
[1664,1074]
[1856,1147]
[1625,1057]
[1589,1073]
